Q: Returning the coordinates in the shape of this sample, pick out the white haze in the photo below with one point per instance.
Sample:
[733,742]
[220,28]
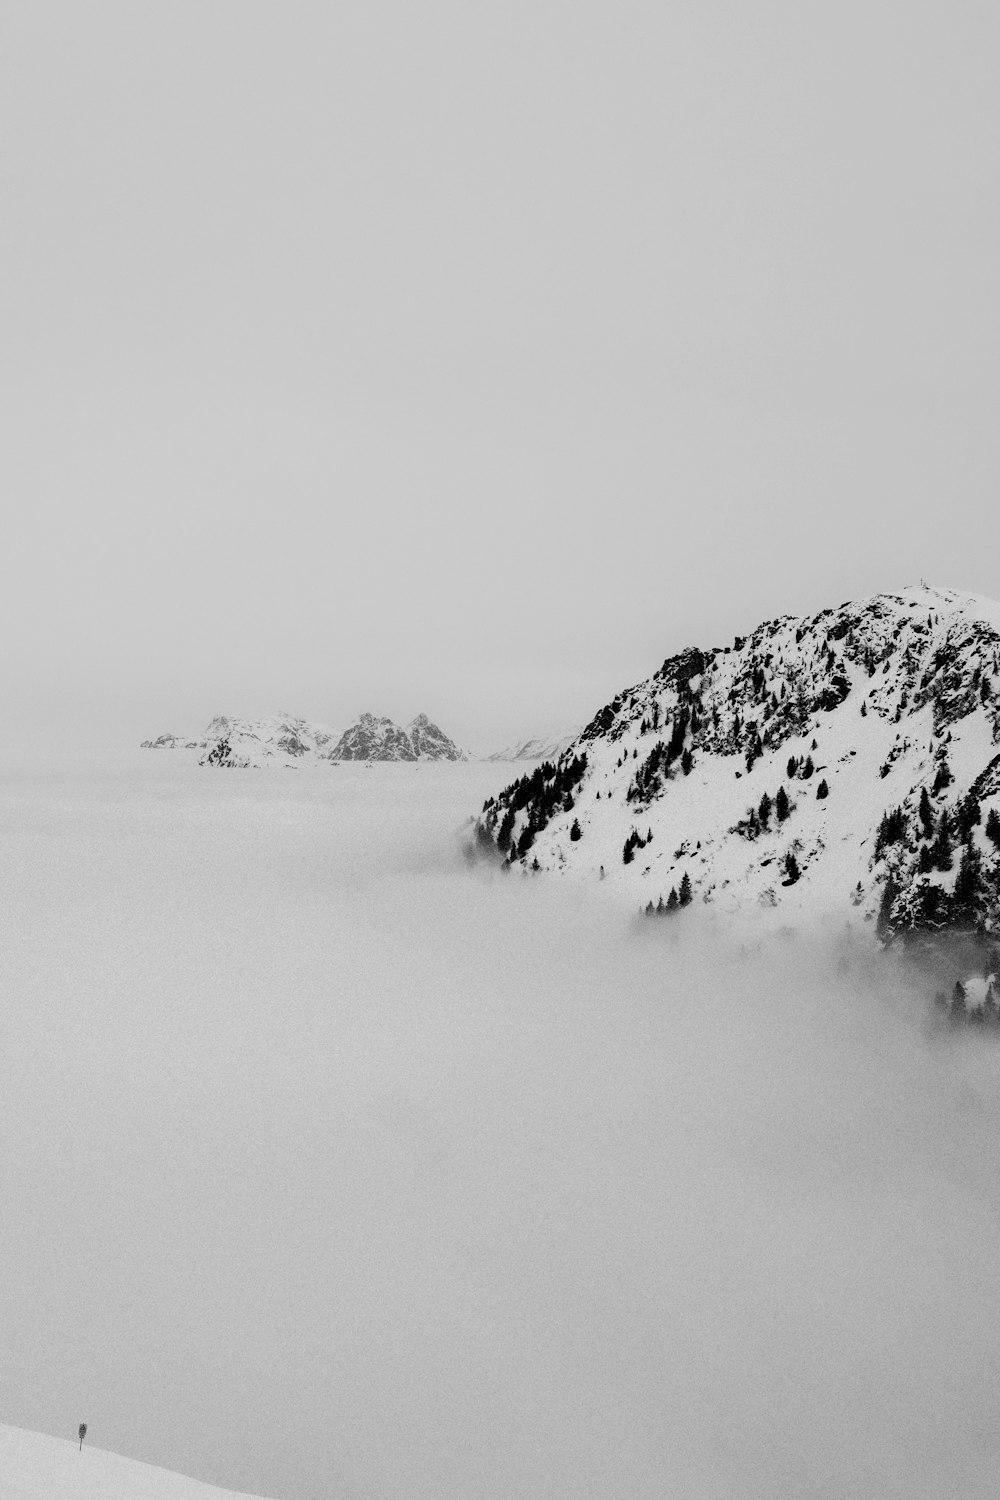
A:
[335,1168]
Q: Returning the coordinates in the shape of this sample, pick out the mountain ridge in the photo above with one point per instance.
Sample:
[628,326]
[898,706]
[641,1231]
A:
[873,720]
[538,747]
[286,740]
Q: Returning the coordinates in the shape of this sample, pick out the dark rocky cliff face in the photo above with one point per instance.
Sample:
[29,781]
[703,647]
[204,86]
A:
[373,738]
[431,742]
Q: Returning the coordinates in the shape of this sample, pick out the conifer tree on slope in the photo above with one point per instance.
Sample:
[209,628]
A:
[926,814]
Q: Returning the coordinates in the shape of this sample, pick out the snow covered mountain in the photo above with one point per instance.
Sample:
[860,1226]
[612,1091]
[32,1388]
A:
[282,740]
[171,742]
[36,1467]
[545,747]
[287,741]
[843,763]
[371,738]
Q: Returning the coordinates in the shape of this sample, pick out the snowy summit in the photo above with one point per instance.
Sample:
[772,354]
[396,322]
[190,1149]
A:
[282,740]
[845,762]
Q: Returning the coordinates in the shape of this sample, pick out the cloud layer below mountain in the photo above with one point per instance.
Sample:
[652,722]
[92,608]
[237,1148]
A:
[333,1166]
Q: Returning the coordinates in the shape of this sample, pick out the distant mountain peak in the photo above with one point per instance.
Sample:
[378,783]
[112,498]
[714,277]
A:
[286,740]
[538,747]
[372,738]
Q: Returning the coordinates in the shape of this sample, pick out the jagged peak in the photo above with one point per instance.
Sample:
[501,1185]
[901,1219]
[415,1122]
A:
[373,738]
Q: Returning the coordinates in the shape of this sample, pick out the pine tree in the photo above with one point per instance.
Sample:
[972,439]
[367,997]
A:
[883,923]
[970,815]
[576,832]
[672,900]
[781,805]
[687,760]
[684,896]
[807,769]
[943,778]
[822,791]
[941,852]
[958,1007]
[993,826]
[764,811]
[926,813]
[792,766]
[792,871]
[967,883]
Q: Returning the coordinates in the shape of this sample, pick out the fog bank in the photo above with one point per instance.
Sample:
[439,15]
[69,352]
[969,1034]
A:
[333,1167]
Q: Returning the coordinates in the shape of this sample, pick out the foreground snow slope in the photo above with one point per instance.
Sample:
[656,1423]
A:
[34,1466]
[886,706]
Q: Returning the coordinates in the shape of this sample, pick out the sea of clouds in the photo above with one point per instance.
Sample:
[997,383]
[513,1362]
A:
[335,1166]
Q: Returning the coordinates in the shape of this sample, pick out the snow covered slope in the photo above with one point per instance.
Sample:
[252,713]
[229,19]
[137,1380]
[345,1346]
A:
[844,763]
[36,1467]
[372,738]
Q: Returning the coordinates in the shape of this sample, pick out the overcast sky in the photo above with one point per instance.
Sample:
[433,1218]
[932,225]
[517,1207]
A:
[472,357]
